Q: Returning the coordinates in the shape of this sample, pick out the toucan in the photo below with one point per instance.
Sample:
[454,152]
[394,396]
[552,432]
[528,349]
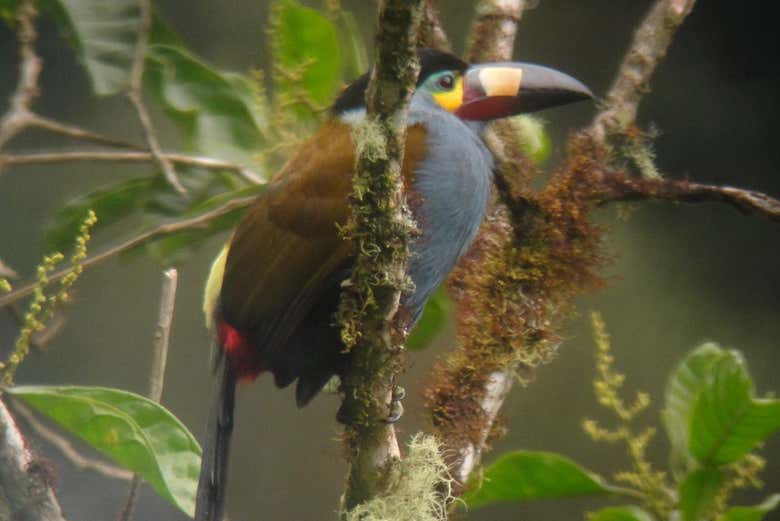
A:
[272,292]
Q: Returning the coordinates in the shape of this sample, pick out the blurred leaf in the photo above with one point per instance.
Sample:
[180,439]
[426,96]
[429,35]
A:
[431,322]
[175,248]
[727,421]
[305,45]
[220,114]
[132,430]
[162,33]
[684,386]
[353,44]
[8,9]
[104,35]
[525,475]
[626,513]
[533,137]
[110,203]
[697,493]
[755,513]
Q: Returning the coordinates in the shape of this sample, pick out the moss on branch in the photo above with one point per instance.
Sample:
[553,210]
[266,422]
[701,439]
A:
[381,228]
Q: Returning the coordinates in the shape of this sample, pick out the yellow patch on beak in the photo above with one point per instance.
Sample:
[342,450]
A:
[452,99]
[501,81]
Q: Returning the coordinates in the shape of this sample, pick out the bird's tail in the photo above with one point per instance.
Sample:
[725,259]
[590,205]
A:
[210,499]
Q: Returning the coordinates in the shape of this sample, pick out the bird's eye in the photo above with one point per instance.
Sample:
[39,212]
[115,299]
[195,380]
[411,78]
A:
[446,81]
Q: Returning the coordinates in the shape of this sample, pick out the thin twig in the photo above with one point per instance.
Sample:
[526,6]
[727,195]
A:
[25,490]
[129,157]
[621,187]
[66,448]
[19,115]
[135,95]
[78,133]
[162,336]
[651,41]
[199,221]
[6,271]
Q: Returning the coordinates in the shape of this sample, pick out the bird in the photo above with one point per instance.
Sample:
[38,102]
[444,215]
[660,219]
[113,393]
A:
[273,290]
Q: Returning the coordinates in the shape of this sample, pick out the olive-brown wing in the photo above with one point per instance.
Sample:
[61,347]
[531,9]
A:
[286,250]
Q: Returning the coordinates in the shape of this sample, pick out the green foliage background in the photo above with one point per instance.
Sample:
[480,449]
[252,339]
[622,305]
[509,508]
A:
[683,275]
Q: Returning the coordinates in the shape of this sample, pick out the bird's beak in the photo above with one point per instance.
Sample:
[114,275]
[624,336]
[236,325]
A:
[497,90]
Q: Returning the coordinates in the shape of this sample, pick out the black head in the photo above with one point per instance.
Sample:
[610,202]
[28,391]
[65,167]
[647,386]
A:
[431,61]
[480,92]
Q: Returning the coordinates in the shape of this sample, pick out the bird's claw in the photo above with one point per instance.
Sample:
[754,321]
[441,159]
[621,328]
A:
[396,407]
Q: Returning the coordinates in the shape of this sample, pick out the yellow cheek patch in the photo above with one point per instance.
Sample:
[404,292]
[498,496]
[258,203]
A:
[452,99]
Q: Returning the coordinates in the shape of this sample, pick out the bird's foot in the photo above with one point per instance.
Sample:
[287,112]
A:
[396,407]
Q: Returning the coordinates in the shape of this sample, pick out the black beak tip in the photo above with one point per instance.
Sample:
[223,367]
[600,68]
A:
[548,88]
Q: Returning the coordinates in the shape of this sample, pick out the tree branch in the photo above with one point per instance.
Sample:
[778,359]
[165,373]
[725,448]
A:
[162,336]
[77,133]
[24,489]
[465,423]
[431,33]
[622,187]
[136,98]
[381,230]
[651,41]
[19,115]
[492,36]
[129,157]
[66,448]
[199,221]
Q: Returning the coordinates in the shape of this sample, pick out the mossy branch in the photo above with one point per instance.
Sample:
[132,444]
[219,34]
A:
[381,230]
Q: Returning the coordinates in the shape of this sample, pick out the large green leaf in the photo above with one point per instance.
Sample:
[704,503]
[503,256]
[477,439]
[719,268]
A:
[684,386]
[727,421]
[431,322]
[220,114]
[754,513]
[110,203]
[104,35]
[625,513]
[132,430]
[306,44]
[698,491]
[526,475]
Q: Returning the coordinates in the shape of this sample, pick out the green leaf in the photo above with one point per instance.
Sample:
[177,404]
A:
[306,50]
[525,475]
[684,386]
[754,513]
[431,322]
[698,491]
[104,35]
[220,114]
[134,431]
[533,137]
[111,204]
[727,421]
[625,513]
[8,10]
[353,44]
[174,248]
